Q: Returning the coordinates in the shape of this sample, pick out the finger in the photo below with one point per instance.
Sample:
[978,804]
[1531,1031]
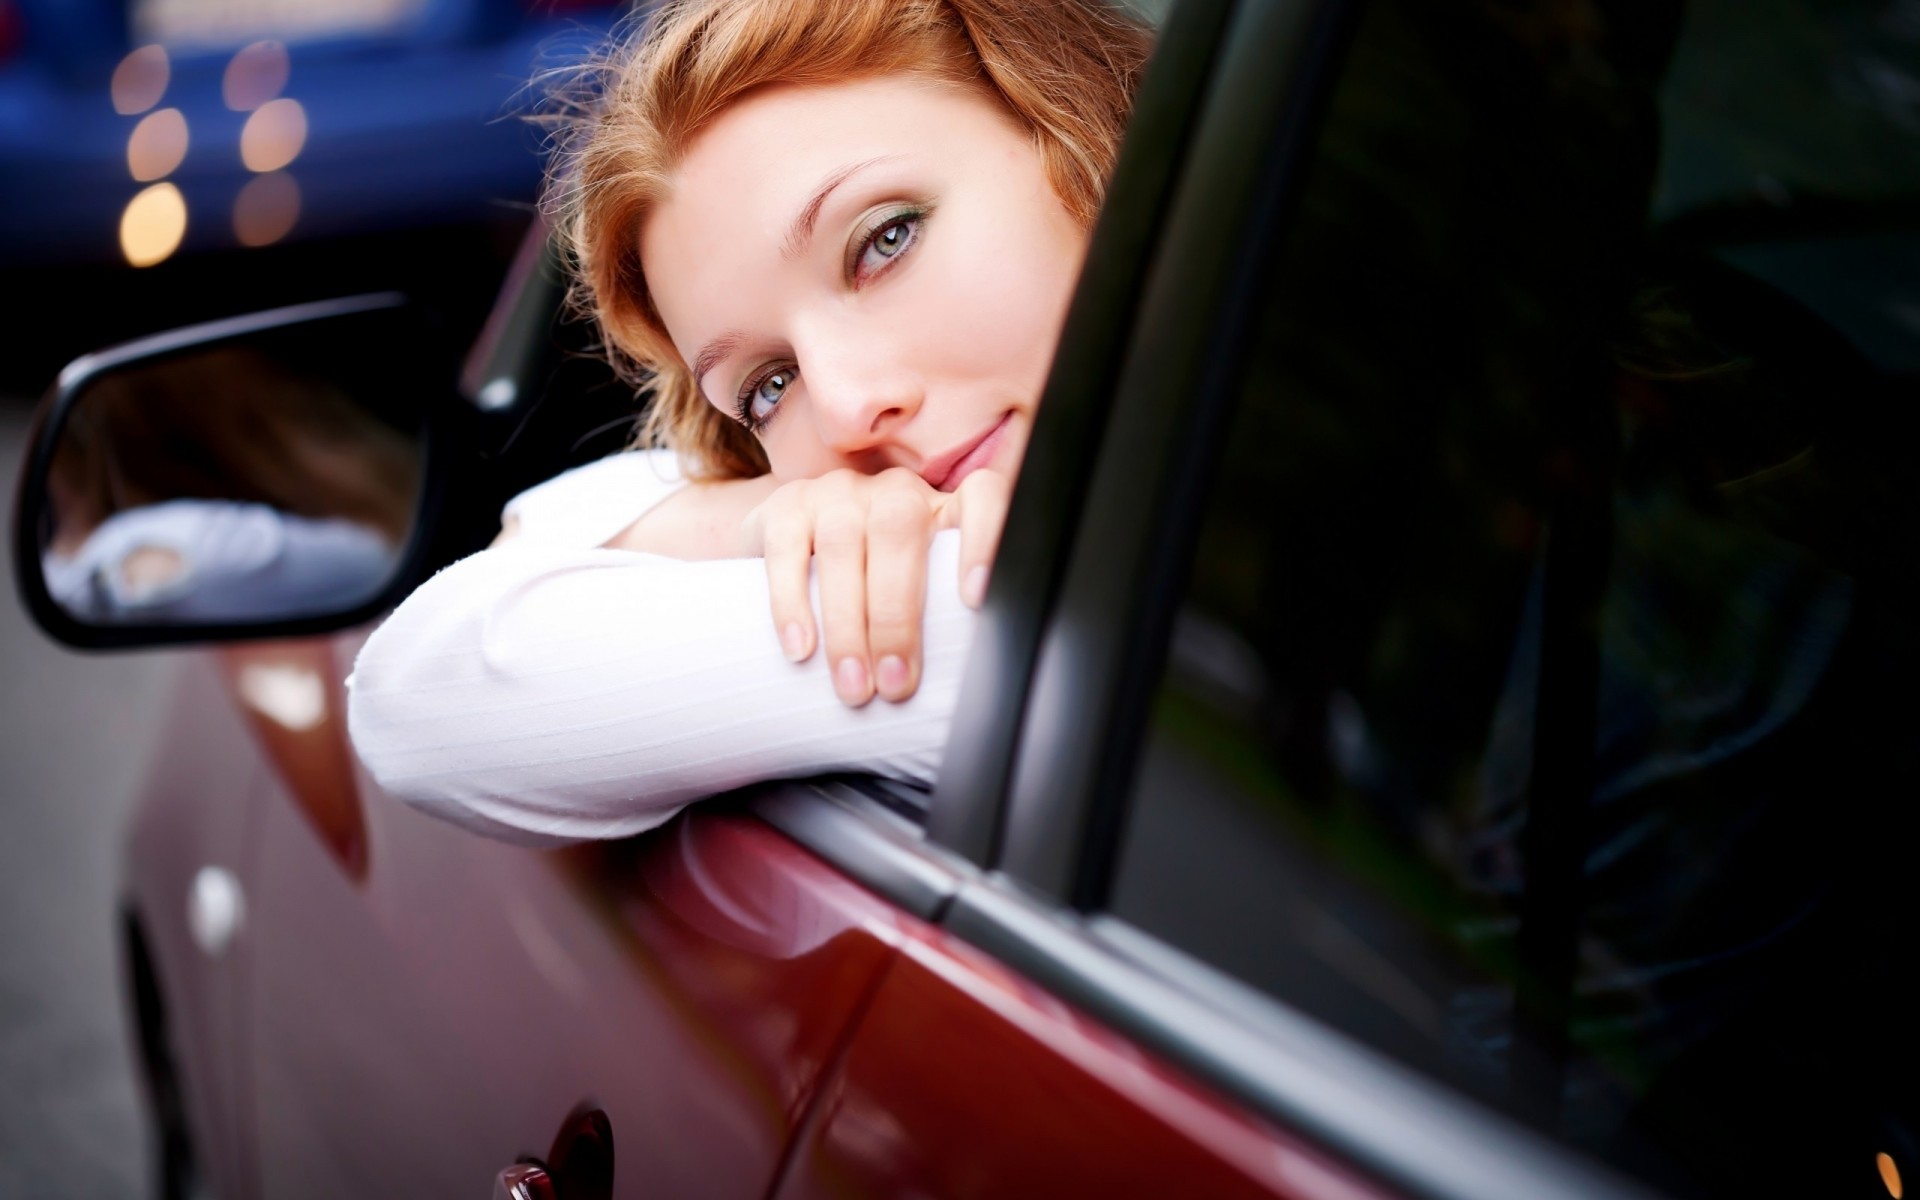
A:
[787,541]
[899,527]
[839,547]
[984,496]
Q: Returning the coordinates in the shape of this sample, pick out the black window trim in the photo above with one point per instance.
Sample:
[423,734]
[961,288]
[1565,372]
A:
[1103,648]
[969,798]
[1089,691]
[863,834]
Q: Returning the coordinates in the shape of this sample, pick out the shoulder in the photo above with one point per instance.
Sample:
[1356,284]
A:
[584,507]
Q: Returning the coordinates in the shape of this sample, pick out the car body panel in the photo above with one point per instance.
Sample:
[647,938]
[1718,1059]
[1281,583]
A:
[695,984]
[1029,1097]
[195,812]
[289,694]
[691,985]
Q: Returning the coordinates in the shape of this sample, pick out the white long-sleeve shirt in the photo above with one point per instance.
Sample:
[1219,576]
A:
[549,689]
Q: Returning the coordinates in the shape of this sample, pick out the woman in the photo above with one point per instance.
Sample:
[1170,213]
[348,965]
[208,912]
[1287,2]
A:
[837,239]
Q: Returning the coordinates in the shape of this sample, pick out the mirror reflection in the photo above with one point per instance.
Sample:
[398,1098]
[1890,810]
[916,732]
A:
[226,485]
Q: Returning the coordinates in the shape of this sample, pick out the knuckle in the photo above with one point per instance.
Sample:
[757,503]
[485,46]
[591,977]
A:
[899,479]
[897,607]
[787,592]
[790,495]
[843,638]
[898,514]
[891,628]
[786,528]
[840,528]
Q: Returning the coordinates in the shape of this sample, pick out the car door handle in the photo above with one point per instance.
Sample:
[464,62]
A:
[524,1181]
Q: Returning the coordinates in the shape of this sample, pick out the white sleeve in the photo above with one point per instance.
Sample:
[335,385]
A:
[544,694]
[589,505]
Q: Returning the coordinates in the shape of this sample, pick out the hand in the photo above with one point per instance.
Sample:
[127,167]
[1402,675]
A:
[868,536]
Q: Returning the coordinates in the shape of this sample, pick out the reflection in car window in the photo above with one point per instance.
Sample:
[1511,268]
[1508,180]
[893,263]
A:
[1791,102]
[1564,517]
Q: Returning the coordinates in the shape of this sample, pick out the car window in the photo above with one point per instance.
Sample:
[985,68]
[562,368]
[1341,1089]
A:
[1532,711]
[1813,101]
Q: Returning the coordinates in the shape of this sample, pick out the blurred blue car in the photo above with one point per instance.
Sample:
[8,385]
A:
[141,130]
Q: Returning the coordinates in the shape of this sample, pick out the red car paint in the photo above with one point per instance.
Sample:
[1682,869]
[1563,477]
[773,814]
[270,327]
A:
[409,1009]
[1029,1098]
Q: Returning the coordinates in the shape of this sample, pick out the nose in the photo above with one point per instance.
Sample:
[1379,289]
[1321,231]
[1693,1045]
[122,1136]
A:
[858,388]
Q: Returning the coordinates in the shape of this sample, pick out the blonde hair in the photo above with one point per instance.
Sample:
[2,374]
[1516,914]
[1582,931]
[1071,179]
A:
[1064,70]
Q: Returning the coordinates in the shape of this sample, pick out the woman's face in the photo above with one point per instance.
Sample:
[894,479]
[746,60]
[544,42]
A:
[868,275]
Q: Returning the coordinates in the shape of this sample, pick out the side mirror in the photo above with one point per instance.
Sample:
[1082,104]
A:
[272,475]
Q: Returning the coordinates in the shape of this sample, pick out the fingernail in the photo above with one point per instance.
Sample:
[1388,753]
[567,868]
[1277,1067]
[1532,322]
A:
[893,676]
[793,640]
[850,680]
[974,590]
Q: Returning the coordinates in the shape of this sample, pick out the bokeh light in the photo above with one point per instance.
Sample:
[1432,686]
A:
[153,224]
[158,144]
[266,209]
[255,75]
[213,25]
[140,80]
[273,135]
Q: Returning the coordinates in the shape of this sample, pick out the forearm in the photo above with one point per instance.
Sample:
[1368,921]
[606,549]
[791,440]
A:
[548,695]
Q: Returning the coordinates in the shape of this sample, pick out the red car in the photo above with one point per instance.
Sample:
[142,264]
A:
[1438,727]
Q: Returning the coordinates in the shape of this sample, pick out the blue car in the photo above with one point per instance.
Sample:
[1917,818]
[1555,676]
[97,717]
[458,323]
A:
[140,131]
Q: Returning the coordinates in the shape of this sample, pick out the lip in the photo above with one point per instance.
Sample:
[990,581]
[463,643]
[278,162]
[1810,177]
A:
[945,472]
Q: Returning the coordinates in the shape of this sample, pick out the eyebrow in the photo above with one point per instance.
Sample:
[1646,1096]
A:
[801,232]
[712,353]
[798,235]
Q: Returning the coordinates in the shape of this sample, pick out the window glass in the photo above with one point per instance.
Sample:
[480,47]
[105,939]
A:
[1791,102]
[1564,502]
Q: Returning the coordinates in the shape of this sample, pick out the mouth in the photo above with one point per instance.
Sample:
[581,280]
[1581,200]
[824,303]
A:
[945,472]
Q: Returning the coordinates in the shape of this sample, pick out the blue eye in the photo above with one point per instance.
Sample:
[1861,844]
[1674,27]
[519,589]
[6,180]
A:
[762,395]
[891,238]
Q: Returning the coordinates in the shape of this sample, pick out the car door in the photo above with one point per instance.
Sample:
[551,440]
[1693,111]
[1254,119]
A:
[1449,755]
[426,1008]
[1029,1040]
[1276,847]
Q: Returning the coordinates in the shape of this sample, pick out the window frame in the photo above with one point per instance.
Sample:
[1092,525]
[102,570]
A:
[1234,202]
[969,799]
[865,826]
[1024,822]
[861,824]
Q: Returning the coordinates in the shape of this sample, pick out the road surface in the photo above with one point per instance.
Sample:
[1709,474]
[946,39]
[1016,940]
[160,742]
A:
[75,732]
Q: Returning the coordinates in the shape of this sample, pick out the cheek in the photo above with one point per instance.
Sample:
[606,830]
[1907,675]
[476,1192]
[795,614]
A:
[793,445]
[988,299]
